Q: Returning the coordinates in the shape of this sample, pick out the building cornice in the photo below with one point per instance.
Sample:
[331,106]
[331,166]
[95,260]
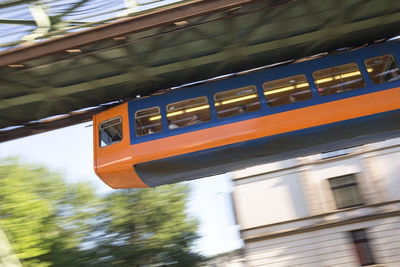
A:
[322,221]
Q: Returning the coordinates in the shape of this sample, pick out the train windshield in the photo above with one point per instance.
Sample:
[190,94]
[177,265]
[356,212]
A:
[110,132]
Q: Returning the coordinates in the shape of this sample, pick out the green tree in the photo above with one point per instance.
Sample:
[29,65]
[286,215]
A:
[45,219]
[52,223]
[149,227]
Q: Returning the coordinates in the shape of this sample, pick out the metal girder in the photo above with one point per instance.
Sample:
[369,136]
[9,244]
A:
[120,28]
[225,55]
[42,21]
[18,22]
[11,3]
[66,17]
[52,124]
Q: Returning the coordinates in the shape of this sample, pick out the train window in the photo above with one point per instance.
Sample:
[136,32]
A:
[237,101]
[338,79]
[110,132]
[188,112]
[287,90]
[148,121]
[382,69]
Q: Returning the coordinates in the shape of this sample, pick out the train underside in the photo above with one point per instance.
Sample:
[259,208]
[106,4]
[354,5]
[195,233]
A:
[330,137]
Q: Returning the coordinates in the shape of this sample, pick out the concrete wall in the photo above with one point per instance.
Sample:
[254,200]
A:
[389,168]
[288,216]
[328,247]
[271,200]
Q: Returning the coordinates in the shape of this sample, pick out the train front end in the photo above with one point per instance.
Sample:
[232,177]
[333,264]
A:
[113,162]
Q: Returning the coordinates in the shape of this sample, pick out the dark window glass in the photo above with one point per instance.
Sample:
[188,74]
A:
[188,112]
[362,247]
[382,69]
[345,191]
[338,79]
[110,132]
[237,101]
[288,90]
[148,121]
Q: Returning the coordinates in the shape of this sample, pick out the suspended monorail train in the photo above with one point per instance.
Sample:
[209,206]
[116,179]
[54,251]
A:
[319,105]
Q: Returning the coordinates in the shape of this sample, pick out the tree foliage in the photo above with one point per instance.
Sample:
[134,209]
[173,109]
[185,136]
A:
[52,223]
[149,227]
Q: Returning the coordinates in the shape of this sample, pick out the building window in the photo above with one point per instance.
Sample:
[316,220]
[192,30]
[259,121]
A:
[286,91]
[345,191]
[236,102]
[338,79]
[362,247]
[382,69]
[188,112]
[148,121]
[110,132]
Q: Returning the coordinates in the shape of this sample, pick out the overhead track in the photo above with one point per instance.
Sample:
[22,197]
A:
[114,60]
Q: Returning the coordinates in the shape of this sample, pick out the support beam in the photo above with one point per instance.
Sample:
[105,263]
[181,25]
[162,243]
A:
[123,27]
[244,51]
[11,3]
[18,22]
[42,21]
[40,127]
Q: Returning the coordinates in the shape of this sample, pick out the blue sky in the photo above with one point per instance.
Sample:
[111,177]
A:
[69,151]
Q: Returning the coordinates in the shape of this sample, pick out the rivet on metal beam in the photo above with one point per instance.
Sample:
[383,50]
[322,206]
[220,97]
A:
[16,66]
[119,38]
[181,23]
[73,51]
[232,10]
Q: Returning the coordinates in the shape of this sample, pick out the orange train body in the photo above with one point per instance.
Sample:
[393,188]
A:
[155,155]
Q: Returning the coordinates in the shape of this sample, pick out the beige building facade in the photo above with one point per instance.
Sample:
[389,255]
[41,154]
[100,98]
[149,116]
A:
[333,209]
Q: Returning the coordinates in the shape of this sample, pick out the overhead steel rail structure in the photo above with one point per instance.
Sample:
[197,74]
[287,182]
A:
[62,70]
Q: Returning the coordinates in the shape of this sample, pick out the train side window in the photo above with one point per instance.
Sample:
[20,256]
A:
[382,69]
[188,112]
[148,121]
[110,132]
[237,101]
[338,79]
[288,90]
